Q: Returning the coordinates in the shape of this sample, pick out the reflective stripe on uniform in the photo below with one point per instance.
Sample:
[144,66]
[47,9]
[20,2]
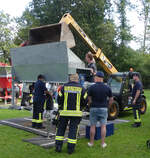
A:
[40,119]
[70,113]
[34,120]
[85,95]
[137,120]
[37,121]
[78,102]
[71,89]
[65,100]
[77,91]
[45,104]
[137,115]
[72,141]
[61,138]
[31,100]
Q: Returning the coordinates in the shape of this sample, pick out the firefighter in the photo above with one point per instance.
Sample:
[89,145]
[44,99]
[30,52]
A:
[31,89]
[38,102]
[71,98]
[136,97]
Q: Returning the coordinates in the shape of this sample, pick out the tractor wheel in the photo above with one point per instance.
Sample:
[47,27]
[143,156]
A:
[113,111]
[143,106]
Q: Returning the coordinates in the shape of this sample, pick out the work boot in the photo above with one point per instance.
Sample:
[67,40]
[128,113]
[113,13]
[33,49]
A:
[34,125]
[40,126]
[136,125]
[70,150]
[58,149]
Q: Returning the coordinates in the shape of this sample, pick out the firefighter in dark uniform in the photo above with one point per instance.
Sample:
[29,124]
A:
[136,96]
[38,102]
[71,99]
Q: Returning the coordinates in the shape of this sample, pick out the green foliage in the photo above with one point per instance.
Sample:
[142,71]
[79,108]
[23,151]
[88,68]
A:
[124,29]
[6,36]
[90,15]
[25,22]
[143,66]
[144,16]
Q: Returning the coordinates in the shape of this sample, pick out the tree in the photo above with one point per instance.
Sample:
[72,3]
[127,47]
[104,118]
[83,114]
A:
[145,14]
[90,15]
[124,29]
[24,23]
[6,36]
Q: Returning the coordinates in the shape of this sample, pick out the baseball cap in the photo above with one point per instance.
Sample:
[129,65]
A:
[136,74]
[100,74]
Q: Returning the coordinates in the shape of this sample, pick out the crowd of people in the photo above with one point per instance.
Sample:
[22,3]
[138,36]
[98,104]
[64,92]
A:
[72,98]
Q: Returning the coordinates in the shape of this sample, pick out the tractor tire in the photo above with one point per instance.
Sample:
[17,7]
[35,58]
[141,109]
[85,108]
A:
[113,111]
[143,106]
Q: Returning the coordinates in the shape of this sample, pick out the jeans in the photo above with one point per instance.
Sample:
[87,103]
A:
[98,114]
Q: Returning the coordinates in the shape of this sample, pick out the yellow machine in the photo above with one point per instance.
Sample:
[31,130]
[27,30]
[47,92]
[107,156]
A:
[103,60]
[61,32]
[121,95]
[118,81]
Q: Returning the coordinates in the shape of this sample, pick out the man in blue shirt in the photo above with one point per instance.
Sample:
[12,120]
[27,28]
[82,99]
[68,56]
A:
[98,94]
[136,96]
[38,102]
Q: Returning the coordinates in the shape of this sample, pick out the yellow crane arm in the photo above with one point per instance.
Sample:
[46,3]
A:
[103,60]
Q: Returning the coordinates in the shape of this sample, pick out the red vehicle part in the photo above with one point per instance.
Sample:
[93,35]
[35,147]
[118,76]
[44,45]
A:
[5,81]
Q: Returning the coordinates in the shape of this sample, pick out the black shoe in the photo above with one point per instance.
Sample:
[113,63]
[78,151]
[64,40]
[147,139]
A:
[136,125]
[41,127]
[34,125]
[70,152]
[58,149]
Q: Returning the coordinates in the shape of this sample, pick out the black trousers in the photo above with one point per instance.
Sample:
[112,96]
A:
[137,113]
[73,131]
[38,108]
[25,98]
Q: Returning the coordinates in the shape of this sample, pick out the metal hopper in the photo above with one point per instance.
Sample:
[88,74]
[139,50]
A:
[51,33]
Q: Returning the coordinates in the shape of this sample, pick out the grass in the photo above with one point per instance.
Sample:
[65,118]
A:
[7,114]
[127,142]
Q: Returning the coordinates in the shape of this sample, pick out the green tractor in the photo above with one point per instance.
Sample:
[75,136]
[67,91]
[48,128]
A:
[121,85]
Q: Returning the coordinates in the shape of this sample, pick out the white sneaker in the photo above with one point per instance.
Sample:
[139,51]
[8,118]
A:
[103,145]
[89,144]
